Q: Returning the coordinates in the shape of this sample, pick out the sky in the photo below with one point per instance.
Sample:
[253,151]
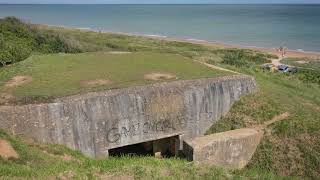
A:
[157,1]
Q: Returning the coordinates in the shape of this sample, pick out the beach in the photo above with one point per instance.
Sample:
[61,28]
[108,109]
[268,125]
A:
[290,53]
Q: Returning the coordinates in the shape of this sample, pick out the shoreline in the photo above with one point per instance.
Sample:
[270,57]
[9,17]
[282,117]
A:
[216,44]
[290,53]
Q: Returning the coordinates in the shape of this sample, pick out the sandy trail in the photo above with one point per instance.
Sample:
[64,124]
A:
[276,62]
[217,67]
[275,119]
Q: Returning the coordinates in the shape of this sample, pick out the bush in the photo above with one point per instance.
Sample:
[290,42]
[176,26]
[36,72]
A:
[18,40]
[311,76]
[242,57]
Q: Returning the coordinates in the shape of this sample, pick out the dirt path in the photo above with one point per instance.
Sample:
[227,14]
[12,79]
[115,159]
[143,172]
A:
[277,62]
[217,67]
[275,119]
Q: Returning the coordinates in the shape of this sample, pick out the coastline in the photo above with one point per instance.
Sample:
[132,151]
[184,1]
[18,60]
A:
[290,52]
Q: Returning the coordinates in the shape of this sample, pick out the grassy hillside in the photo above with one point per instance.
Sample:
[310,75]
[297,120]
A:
[292,146]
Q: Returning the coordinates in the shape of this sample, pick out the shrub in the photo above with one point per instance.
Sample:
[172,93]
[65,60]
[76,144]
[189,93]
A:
[18,40]
[311,76]
[242,57]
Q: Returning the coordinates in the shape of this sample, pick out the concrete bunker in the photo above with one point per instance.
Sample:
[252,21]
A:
[112,122]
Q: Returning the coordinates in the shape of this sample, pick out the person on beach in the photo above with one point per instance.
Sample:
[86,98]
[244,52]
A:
[282,51]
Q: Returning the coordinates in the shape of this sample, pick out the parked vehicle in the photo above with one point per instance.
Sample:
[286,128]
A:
[283,68]
[287,69]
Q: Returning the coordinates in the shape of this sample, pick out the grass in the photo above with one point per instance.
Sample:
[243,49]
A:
[292,148]
[309,69]
[57,75]
[42,161]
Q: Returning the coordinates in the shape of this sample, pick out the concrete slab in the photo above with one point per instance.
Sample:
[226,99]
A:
[232,149]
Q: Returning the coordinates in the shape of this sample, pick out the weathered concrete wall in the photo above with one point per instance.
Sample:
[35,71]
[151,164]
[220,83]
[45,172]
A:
[96,122]
[232,149]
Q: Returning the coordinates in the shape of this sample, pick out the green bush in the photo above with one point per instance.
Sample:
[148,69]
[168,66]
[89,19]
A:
[18,40]
[308,75]
[242,57]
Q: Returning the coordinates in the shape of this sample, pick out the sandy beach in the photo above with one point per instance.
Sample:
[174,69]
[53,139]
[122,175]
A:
[290,53]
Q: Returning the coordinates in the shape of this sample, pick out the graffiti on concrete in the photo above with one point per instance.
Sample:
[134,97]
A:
[115,134]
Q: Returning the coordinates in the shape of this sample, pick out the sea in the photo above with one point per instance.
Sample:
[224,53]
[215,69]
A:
[294,26]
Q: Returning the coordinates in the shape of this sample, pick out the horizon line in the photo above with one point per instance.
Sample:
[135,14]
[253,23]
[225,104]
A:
[160,4]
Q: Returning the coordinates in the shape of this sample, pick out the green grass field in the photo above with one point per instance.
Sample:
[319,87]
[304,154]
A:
[57,75]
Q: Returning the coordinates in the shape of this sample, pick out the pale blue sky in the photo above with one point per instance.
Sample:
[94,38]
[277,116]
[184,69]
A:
[155,1]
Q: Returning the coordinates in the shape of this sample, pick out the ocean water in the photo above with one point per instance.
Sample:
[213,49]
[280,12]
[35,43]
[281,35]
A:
[293,26]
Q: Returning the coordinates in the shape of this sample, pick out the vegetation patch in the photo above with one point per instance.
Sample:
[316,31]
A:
[19,40]
[243,57]
[309,70]
[283,150]
[58,75]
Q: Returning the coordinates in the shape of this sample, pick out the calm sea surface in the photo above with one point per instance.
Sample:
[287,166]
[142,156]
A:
[295,26]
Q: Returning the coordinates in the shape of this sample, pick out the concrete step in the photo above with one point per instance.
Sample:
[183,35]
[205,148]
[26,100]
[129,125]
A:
[231,149]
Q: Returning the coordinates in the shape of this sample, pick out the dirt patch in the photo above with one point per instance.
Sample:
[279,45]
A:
[66,175]
[97,82]
[275,119]
[18,81]
[112,177]
[7,151]
[159,76]
[64,157]
[6,98]
[217,67]
[302,62]
[313,106]
[119,52]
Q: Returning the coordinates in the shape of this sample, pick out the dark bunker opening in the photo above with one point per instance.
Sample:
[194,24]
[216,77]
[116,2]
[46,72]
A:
[166,147]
